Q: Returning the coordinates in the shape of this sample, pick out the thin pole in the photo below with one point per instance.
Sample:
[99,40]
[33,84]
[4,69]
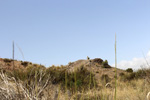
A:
[116,69]
[13,56]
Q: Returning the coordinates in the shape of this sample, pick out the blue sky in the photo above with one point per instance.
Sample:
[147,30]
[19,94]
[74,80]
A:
[61,31]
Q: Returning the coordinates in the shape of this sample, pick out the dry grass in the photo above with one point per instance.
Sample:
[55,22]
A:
[135,89]
[83,83]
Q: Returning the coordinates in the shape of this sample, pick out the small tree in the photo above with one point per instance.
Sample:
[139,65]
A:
[130,70]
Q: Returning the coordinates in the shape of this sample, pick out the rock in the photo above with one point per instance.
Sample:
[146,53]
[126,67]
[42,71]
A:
[108,85]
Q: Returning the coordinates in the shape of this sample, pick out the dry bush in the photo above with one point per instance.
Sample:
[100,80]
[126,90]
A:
[34,91]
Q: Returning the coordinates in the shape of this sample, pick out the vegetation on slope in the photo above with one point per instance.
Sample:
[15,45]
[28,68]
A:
[88,81]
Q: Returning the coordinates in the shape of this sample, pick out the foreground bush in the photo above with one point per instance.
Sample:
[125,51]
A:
[139,74]
[81,78]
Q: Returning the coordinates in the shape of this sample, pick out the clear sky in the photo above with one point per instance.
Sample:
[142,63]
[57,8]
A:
[61,31]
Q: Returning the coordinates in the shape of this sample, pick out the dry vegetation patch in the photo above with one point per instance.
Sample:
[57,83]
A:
[80,80]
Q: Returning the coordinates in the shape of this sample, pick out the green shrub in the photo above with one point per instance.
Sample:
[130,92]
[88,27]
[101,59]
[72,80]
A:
[128,77]
[141,73]
[130,70]
[82,78]
[105,64]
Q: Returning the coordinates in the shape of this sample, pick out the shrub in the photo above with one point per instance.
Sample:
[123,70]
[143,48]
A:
[98,60]
[121,74]
[82,78]
[141,73]
[131,76]
[26,74]
[130,70]
[128,77]
[7,60]
[24,63]
[105,64]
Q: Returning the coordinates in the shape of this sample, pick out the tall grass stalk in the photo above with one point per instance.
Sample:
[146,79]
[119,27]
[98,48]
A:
[59,92]
[75,78]
[90,80]
[66,96]
[36,85]
[90,84]
[94,89]
[13,56]
[82,94]
[115,69]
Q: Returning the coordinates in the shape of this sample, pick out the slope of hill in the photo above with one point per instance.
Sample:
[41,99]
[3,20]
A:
[97,66]
[8,64]
[80,80]
[101,70]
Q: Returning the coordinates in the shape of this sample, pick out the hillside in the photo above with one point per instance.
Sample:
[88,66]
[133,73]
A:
[80,80]
[8,64]
[97,66]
